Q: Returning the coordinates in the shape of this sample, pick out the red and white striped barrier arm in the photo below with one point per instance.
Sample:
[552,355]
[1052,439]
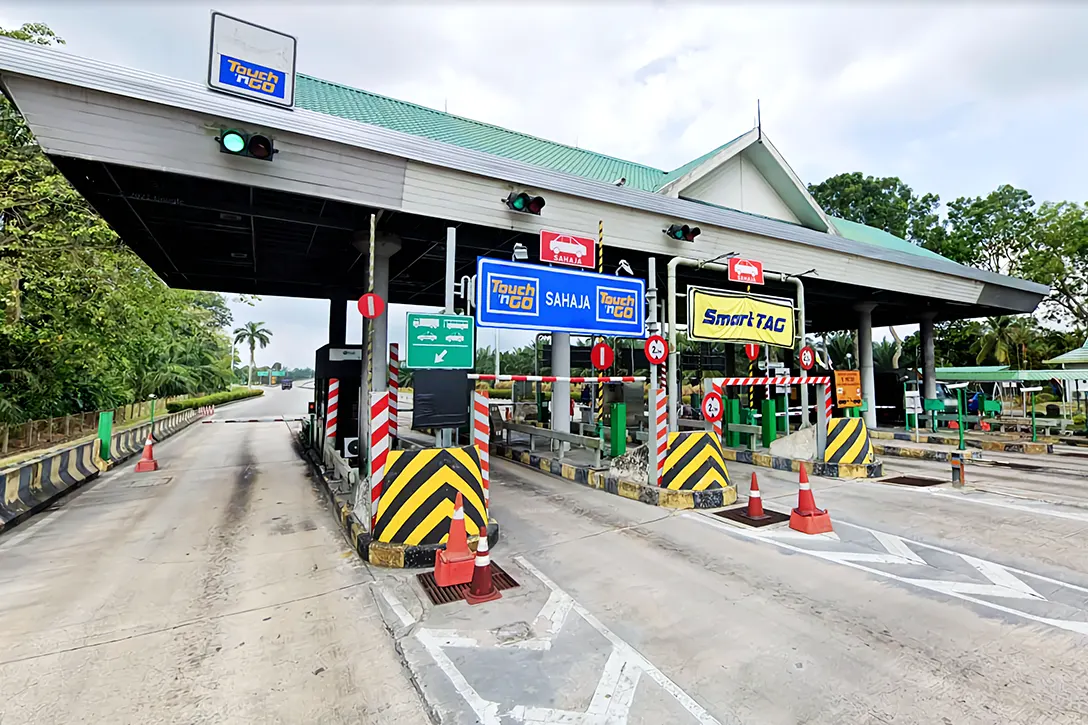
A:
[331,407]
[718,423]
[379,449]
[661,432]
[555,379]
[394,388]
[481,426]
[782,380]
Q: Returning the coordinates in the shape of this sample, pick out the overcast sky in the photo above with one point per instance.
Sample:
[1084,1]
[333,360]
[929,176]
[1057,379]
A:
[955,100]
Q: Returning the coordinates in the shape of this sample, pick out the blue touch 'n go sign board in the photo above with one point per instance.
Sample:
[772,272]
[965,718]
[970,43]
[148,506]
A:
[531,297]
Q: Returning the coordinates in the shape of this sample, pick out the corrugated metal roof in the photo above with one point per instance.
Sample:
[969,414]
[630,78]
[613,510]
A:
[354,104]
[971,369]
[996,376]
[1073,357]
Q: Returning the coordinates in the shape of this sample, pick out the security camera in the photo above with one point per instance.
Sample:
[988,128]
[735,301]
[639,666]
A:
[520,252]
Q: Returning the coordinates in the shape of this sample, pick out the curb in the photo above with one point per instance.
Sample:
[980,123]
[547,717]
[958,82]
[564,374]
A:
[652,495]
[993,446]
[378,553]
[816,468]
[923,454]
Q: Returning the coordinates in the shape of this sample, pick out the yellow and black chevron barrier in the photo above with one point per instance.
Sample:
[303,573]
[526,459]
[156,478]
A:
[420,487]
[848,441]
[694,462]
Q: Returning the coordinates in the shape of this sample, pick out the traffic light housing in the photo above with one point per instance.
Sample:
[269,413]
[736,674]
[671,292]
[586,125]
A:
[523,202]
[682,232]
[251,145]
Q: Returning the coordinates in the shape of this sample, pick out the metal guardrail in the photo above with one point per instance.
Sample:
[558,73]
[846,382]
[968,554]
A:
[554,435]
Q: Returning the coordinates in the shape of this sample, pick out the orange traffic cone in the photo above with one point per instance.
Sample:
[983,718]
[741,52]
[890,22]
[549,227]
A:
[453,565]
[755,501]
[482,589]
[806,518]
[147,461]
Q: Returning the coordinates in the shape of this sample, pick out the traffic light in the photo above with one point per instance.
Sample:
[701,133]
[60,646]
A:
[682,232]
[520,201]
[239,143]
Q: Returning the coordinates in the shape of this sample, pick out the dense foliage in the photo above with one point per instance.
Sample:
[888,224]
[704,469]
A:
[84,324]
[226,396]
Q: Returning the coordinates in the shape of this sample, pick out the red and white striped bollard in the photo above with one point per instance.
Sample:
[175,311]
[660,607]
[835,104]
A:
[481,426]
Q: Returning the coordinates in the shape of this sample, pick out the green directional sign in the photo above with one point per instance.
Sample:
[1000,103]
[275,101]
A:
[262,373]
[440,341]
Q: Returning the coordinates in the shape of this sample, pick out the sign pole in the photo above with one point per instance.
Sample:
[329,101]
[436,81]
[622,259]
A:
[366,385]
[598,415]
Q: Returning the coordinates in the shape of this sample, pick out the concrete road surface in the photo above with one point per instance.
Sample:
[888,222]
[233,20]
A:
[216,590]
[923,607]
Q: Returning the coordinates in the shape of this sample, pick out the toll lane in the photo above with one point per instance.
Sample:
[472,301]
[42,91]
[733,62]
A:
[780,629]
[216,589]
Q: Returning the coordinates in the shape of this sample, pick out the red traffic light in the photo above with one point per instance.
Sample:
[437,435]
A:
[260,147]
[683,232]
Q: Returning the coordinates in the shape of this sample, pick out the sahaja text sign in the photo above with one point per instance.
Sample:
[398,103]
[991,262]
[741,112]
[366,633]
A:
[531,297]
[720,315]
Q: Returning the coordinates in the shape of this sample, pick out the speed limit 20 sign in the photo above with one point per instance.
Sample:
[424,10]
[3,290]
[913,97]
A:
[656,349]
[807,357]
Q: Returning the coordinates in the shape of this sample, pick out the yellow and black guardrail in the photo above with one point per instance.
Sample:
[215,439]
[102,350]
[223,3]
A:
[694,462]
[848,442]
[30,485]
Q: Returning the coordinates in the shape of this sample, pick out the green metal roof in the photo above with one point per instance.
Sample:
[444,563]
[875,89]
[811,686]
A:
[972,369]
[995,376]
[362,106]
[879,237]
[1079,356]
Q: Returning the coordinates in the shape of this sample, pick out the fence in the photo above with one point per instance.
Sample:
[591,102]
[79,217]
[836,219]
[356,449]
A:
[21,437]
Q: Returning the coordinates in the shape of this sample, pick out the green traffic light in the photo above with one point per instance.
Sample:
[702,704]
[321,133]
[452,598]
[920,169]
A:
[519,202]
[234,142]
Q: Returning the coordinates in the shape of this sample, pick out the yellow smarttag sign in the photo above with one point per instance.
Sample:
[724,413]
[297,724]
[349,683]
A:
[721,315]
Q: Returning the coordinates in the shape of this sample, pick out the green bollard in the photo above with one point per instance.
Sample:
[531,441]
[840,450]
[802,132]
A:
[619,429]
[105,433]
[768,422]
[784,421]
[732,415]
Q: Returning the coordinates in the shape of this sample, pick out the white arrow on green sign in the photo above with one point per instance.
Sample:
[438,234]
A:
[440,341]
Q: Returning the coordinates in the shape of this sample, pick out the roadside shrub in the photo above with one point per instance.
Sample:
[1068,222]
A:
[1078,419]
[213,399]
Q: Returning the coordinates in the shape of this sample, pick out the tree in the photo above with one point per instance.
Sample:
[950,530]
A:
[1004,341]
[884,203]
[883,355]
[840,350]
[1057,255]
[992,230]
[252,334]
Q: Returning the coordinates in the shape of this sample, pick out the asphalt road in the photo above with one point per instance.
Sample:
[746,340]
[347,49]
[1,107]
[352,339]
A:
[274,402]
[925,606]
[217,589]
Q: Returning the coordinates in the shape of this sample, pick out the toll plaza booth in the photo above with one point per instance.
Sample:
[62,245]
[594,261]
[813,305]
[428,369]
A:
[339,367]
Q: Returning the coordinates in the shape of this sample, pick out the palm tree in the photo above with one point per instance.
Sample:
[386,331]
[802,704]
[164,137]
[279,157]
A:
[252,334]
[840,348]
[1000,340]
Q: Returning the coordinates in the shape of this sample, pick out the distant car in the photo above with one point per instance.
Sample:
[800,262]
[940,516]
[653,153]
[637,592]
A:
[285,385]
[568,245]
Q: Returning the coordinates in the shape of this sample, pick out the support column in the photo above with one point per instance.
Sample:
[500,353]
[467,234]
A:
[865,360]
[561,391]
[929,366]
[386,247]
[338,322]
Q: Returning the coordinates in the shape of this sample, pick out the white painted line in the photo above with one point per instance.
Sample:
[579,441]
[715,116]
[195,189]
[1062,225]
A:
[1015,507]
[487,711]
[897,546]
[390,598]
[959,590]
[43,522]
[630,652]
[1001,576]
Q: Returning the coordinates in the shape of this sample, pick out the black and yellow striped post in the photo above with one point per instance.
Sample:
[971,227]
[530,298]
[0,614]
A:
[420,488]
[599,407]
[848,441]
[694,462]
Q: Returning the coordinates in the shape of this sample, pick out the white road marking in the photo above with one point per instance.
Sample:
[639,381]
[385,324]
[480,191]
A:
[399,609]
[35,527]
[967,591]
[612,698]
[1015,507]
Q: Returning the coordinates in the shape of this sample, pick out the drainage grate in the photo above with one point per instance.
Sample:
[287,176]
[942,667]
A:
[740,515]
[455,593]
[913,481]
